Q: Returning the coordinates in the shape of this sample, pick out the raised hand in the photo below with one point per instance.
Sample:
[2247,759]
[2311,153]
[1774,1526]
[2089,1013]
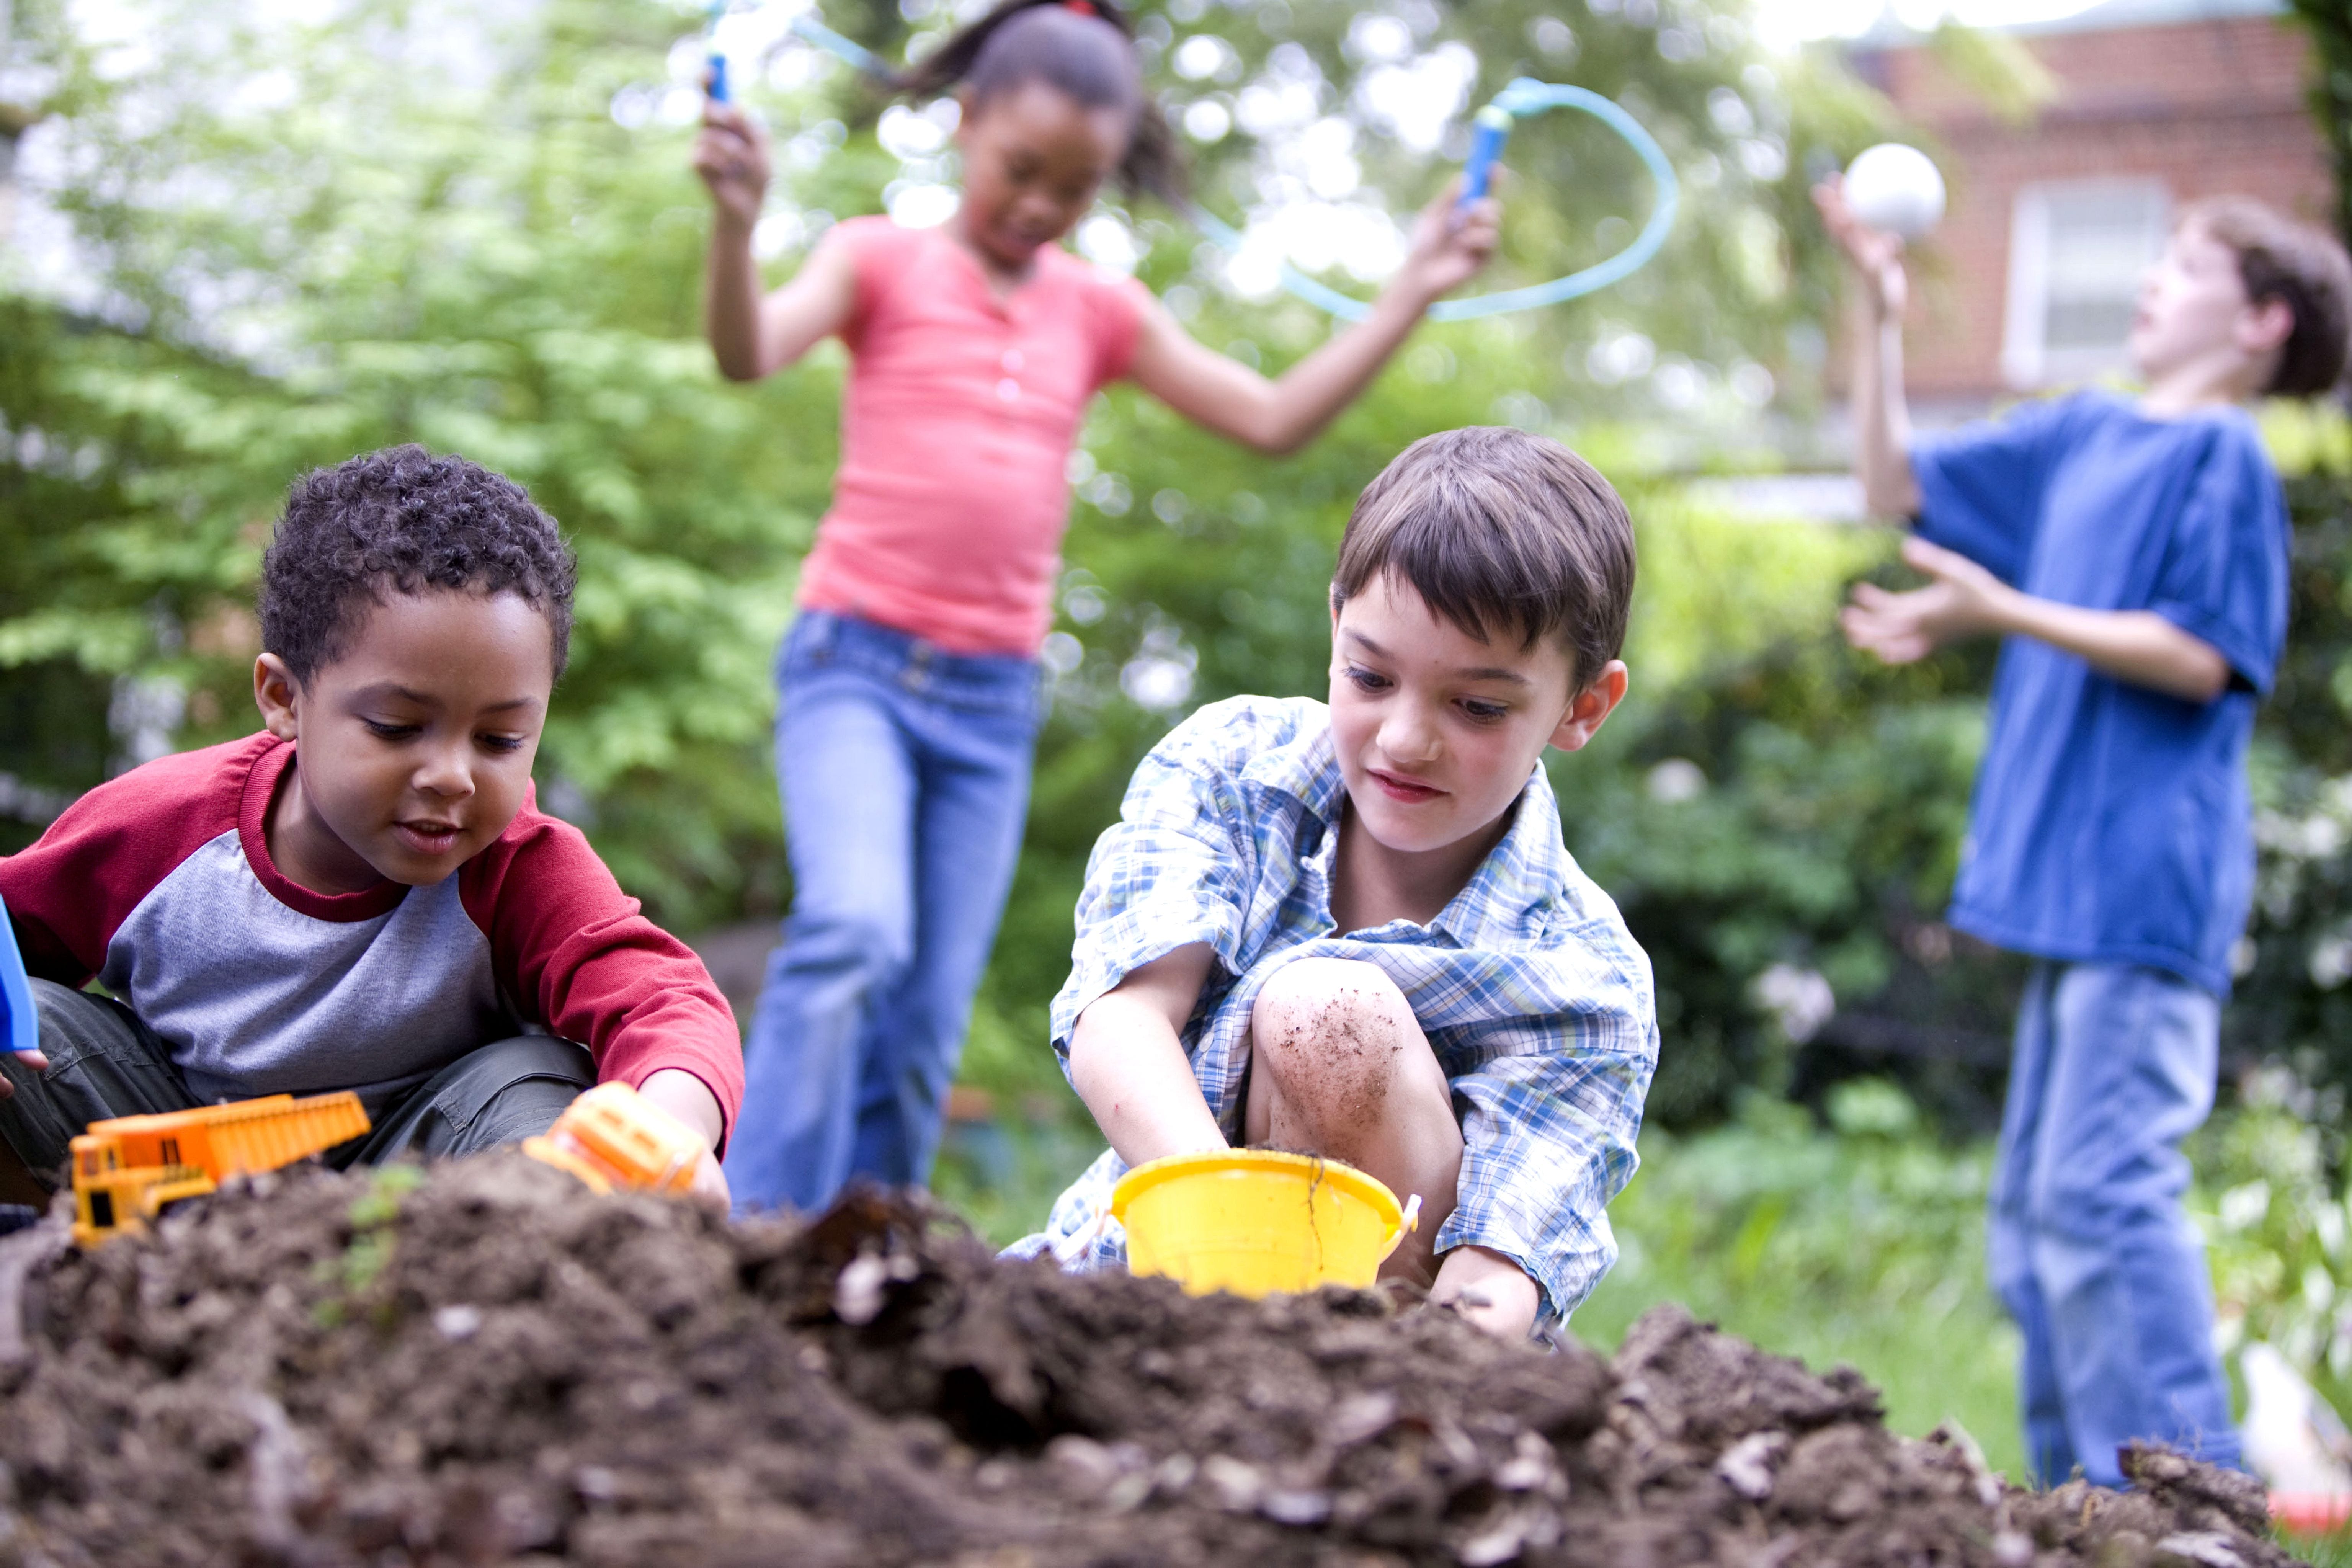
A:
[1964,600]
[1876,254]
[1451,242]
[731,156]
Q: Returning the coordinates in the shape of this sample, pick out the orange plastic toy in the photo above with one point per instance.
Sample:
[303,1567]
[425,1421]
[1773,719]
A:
[613,1137]
[127,1169]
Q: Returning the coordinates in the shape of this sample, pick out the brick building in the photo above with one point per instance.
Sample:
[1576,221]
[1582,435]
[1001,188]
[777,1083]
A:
[2029,281]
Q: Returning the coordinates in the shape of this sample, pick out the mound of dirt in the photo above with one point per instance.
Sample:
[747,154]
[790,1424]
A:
[490,1365]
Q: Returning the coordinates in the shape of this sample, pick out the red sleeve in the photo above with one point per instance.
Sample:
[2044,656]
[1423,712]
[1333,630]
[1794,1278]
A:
[69,892]
[568,946]
[878,252]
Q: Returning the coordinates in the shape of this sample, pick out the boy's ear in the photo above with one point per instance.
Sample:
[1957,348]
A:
[2266,326]
[276,693]
[1590,707]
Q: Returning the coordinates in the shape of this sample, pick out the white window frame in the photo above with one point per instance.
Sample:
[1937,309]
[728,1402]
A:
[2026,359]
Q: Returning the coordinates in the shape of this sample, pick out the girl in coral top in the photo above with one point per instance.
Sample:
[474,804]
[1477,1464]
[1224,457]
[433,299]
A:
[910,689]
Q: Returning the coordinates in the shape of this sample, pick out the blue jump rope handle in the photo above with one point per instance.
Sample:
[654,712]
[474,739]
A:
[20,1026]
[718,88]
[1488,129]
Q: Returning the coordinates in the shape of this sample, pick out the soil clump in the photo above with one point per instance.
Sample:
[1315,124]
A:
[489,1365]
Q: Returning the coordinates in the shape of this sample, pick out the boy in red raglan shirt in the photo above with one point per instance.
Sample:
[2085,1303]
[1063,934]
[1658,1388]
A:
[363,895]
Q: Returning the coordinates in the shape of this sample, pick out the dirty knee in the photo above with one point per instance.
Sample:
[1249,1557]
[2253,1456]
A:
[1321,1020]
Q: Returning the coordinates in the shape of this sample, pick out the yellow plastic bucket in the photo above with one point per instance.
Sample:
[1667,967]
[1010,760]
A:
[1253,1221]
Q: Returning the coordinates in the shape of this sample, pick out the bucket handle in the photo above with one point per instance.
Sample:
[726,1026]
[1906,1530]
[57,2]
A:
[1408,1222]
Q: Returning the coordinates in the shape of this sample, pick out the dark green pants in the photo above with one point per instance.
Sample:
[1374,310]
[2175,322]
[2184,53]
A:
[103,1062]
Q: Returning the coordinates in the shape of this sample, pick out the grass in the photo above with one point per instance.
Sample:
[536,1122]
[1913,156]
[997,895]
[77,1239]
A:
[2333,1550]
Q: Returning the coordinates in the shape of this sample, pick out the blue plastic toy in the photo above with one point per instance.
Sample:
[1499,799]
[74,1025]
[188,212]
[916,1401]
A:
[23,1026]
[1488,129]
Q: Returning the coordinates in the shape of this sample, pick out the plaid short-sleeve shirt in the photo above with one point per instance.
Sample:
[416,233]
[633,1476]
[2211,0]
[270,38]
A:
[1533,995]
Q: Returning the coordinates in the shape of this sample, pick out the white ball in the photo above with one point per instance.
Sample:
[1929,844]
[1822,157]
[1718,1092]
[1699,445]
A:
[1896,188]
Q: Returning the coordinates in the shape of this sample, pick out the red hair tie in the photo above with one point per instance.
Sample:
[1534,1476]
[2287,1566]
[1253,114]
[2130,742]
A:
[1082,8]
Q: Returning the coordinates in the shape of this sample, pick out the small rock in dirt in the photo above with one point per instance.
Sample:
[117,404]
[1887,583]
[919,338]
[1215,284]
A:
[1175,1473]
[1500,1542]
[458,1321]
[1237,1485]
[857,1293]
[1747,1465]
[2197,1549]
[1296,1507]
[1084,1462]
[1362,1415]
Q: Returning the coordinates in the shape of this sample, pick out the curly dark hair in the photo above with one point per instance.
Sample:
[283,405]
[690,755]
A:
[404,521]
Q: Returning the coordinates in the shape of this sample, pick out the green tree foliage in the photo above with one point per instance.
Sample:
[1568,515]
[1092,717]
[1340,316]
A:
[2293,1002]
[2330,24]
[328,240]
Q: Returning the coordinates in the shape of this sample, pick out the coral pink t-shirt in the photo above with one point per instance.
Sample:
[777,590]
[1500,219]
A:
[956,431]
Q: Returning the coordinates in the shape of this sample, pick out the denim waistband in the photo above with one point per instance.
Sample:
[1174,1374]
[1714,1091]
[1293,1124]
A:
[991,680]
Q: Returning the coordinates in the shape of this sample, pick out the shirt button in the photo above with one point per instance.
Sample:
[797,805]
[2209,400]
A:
[1008,390]
[1013,359]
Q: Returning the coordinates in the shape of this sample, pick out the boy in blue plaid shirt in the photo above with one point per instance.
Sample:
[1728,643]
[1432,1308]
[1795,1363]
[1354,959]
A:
[1353,930]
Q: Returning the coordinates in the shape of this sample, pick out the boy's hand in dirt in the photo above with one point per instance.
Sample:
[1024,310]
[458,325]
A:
[1963,601]
[1875,254]
[731,156]
[690,1100]
[1451,242]
[1488,1289]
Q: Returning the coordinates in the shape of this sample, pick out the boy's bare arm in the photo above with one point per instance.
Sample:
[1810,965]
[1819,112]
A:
[1964,600]
[752,336]
[1882,419]
[1128,1061]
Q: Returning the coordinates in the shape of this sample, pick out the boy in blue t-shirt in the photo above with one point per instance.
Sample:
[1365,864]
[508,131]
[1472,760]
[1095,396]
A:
[2132,552]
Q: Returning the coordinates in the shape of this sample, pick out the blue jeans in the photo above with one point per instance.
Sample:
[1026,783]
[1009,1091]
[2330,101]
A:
[2089,1246]
[906,784]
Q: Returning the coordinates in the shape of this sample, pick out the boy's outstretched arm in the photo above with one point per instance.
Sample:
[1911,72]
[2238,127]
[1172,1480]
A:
[1449,246]
[1964,600]
[1882,419]
[1128,1061]
[752,336]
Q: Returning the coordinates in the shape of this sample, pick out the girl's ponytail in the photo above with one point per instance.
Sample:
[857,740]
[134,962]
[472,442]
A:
[1062,43]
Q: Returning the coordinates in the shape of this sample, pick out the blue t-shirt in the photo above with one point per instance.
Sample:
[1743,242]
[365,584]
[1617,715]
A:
[2111,823]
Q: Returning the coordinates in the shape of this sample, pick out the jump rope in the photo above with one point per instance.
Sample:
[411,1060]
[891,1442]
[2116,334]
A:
[1490,129]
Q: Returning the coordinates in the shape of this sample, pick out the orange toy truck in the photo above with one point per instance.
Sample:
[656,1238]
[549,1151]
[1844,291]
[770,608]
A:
[127,1169]
[612,1137]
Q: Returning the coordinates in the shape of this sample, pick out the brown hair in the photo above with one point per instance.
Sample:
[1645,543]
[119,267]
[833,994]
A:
[1081,47]
[1500,531]
[2279,258]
